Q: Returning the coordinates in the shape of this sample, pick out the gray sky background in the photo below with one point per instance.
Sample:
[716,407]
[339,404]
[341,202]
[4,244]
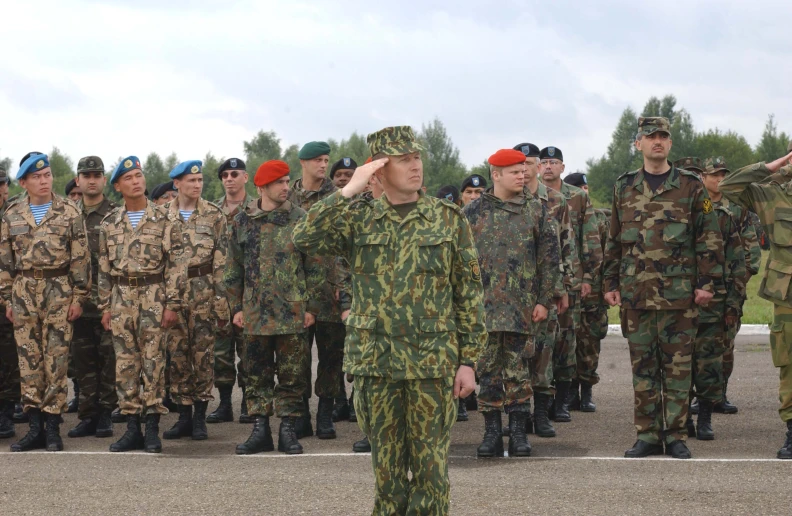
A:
[132,77]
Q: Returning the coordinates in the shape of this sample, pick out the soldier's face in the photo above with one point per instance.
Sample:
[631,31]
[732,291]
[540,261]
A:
[91,183]
[341,177]
[315,168]
[75,194]
[38,184]
[510,179]
[403,173]
[655,146]
[131,185]
[277,191]
[190,185]
[233,181]
[712,182]
[551,170]
[3,192]
[531,169]
[470,194]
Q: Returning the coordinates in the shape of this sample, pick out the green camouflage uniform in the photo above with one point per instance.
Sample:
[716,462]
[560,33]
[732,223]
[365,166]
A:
[9,361]
[273,284]
[44,268]
[417,315]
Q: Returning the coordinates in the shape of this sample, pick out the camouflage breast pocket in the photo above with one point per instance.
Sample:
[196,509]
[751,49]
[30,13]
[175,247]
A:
[150,243]
[115,243]
[782,232]
[433,255]
[630,227]
[20,235]
[438,341]
[360,340]
[371,252]
[57,234]
[676,230]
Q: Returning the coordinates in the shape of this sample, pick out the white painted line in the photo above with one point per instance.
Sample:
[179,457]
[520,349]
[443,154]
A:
[55,454]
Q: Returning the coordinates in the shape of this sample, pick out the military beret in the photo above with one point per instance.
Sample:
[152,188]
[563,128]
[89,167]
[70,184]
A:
[231,164]
[651,124]
[551,153]
[270,171]
[690,163]
[506,157]
[576,179]
[529,149]
[34,163]
[474,180]
[70,186]
[713,165]
[393,141]
[90,164]
[368,160]
[124,166]
[448,192]
[4,176]
[342,164]
[313,150]
[161,190]
[26,156]
[193,166]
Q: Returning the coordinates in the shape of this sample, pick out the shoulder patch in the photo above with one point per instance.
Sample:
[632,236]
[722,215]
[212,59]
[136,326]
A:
[475,271]
[707,208]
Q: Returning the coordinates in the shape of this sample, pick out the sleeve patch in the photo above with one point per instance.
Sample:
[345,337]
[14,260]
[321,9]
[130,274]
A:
[475,272]
[707,206]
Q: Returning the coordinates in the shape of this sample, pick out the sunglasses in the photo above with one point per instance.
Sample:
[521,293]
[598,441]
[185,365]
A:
[234,174]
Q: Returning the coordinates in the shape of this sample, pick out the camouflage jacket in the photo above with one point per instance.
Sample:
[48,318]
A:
[269,280]
[558,211]
[587,240]
[662,245]
[58,242]
[204,242]
[335,273]
[92,221]
[518,258]
[730,288]
[417,299]
[750,241]
[154,247]
[220,203]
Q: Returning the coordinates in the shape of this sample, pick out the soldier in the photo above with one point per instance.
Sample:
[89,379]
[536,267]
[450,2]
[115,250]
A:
[9,362]
[191,339]
[341,172]
[163,193]
[73,191]
[92,345]
[230,341]
[44,281]
[417,323]
[589,248]
[273,290]
[663,256]
[329,331]
[74,194]
[451,194]
[518,258]
[763,188]
[472,188]
[141,281]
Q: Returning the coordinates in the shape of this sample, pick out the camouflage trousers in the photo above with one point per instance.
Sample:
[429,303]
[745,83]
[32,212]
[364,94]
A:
[270,355]
[707,362]
[408,423]
[94,362]
[564,358]
[661,346]
[541,364]
[503,373]
[781,349]
[43,334]
[728,353]
[592,329]
[9,362]
[330,346]
[191,345]
[230,343]
[140,344]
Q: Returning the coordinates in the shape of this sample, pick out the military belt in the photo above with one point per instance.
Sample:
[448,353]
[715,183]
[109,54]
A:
[138,281]
[45,273]
[199,270]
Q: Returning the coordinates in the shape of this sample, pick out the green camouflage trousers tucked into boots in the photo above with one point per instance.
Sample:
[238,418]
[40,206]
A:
[707,364]
[503,373]
[266,357]
[593,328]
[230,344]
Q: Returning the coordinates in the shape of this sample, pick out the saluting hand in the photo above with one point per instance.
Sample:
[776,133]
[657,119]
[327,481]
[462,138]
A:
[360,178]
[780,162]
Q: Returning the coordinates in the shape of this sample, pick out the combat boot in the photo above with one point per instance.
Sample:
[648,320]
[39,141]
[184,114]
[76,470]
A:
[183,426]
[53,438]
[643,449]
[243,412]
[302,426]
[199,431]
[678,450]
[260,439]
[542,425]
[573,395]
[725,406]
[35,438]
[6,421]
[84,428]
[586,398]
[518,441]
[104,426]
[529,424]
[362,446]
[352,413]
[117,416]
[561,408]
[786,450]
[74,404]
[325,429]
[492,444]
[225,410]
[20,416]
[287,437]
[132,438]
[704,430]
[341,408]
[462,414]
[472,402]
[690,427]
[151,441]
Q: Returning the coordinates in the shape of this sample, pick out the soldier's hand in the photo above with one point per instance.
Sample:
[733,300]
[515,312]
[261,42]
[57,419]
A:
[310,320]
[585,290]
[10,314]
[360,178]
[702,297]
[613,298]
[238,319]
[169,318]
[562,304]
[780,162]
[464,382]
[106,321]
[539,313]
[344,315]
[75,311]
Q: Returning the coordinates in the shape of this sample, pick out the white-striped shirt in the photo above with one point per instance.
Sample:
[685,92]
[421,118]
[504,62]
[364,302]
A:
[134,217]
[186,214]
[39,210]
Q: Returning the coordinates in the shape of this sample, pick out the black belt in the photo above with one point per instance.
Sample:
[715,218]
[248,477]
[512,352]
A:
[138,281]
[199,270]
[45,273]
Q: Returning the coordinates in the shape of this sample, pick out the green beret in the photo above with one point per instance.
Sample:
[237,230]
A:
[313,150]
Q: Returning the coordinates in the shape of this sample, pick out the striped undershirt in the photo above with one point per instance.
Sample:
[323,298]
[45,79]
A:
[134,217]
[39,210]
[186,214]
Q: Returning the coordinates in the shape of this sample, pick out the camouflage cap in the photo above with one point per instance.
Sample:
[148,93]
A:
[393,141]
[651,124]
[90,164]
[690,163]
[712,165]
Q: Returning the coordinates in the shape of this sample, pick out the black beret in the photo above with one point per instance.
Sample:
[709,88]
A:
[529,149]
[551,153]
[231,164]
[448,192]
[342,164]
[70,186]
[475,181]
[26,156]
[576,179]
[161,190]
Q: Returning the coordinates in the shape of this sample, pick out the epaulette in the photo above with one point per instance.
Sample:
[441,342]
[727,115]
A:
[111,213]
[683,172]
[629,173]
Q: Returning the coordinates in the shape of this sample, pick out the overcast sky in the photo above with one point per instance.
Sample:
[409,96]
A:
[132,77]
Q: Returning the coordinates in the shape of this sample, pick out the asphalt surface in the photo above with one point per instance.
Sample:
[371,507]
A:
[579,472]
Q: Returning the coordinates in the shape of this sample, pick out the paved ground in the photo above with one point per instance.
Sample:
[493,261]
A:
[580,471]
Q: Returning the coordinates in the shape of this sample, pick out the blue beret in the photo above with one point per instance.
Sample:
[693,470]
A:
[313,150]
[32,164]
[124,166]
[186,167]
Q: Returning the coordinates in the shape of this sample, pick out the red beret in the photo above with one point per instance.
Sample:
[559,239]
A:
[506,158]
[270,171]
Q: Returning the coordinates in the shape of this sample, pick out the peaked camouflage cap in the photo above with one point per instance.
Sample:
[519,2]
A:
[690,163]
[90,164]
[718,164]
[393,141]
[651,124]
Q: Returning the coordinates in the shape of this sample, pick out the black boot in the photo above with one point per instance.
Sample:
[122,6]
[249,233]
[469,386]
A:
[786,450]
[104,426]
[573,395]
[690,427]
[54,441]
[694,407]
[725,406]
[472,402]
[542,425]
[151,442]
[678,450]
[704,430]
[6,421]
[302,426]
[341,408]
[224,411]
[518,441]
[362,446]
[132,438]
[199,431]
[183,426]
[20,416]
[243,412]
[586,398]
[561,399]
[287,437]
[325,429]
[168,403]
[643,449]
[74,404]
[352,413]
[35,438]
[492,444]
[462,414]
[84,428]
[260,439]
[117,416]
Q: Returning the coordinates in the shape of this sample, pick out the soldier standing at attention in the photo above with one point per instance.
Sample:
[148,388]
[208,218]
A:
[472,188]
[518,254]
[163,193]
[204,246]
[141,282]
[45,279]
[663,255]
[9,361]
[92,346]
[416,327]
[341,172]
[73,191]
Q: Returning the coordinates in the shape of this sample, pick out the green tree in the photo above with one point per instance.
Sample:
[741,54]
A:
[354,147]
[442,165]
[729,145]
[264,146]
[620,157]
[772,145]
[212,186]
[62,170]
[290,157]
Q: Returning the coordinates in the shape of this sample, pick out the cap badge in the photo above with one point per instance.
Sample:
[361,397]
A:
[551,151]
[233,162]
[347,162]
[475,181]
[40,163]
[128,163]
[194,169]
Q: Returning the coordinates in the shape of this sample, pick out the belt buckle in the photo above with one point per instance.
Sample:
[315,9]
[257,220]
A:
[38,274]
[133,282]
